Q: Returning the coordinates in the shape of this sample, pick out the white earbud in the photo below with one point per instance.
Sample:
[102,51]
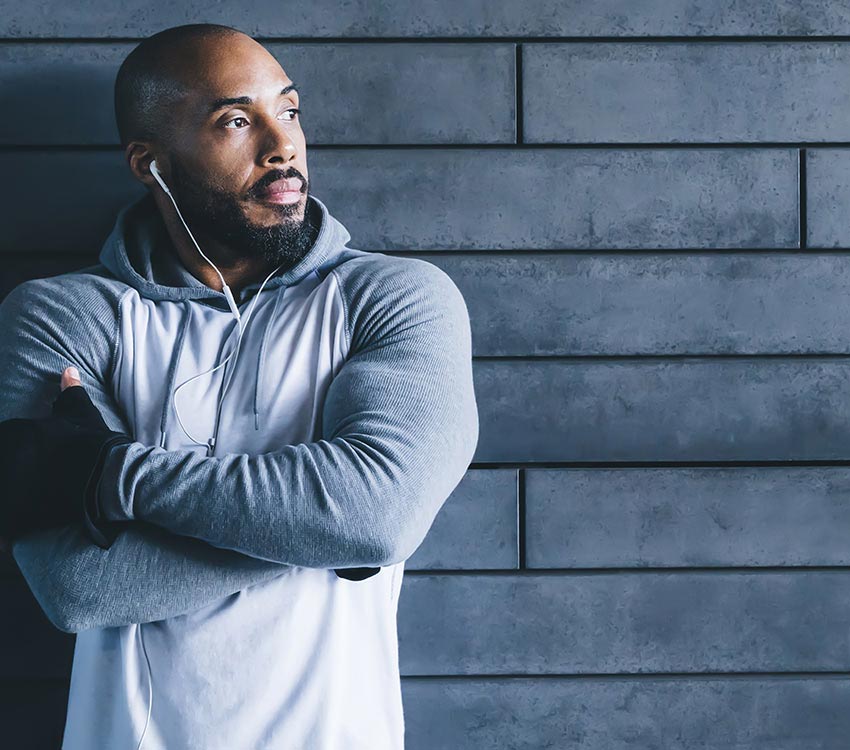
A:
[158,177]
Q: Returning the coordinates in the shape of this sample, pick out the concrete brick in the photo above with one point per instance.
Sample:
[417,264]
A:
[626,714]
[477,526]
[476,199]
[616,304]
[349,93]
[612,623]
[663,410]
[530,304]
[685,93]
[407,18]
[828,197]
[635,517]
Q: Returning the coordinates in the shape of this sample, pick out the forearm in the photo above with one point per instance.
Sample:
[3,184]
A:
[146,574]
[399,428]
[332,503]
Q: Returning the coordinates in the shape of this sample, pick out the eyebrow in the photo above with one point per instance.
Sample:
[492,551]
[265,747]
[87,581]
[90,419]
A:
[221,103]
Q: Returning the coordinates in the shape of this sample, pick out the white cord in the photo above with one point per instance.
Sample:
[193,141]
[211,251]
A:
[233,308]
[238,343]
[223,283]
[150,687]
[242,326]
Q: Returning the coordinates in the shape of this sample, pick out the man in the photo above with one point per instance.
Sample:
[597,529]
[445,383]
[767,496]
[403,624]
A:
[328,412]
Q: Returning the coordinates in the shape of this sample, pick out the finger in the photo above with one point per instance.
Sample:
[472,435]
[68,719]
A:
[70,377]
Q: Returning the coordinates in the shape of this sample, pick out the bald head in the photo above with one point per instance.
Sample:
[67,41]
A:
[153,77]
[222,119]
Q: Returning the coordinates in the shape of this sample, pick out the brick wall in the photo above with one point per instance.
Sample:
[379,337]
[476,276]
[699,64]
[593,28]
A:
[646,207]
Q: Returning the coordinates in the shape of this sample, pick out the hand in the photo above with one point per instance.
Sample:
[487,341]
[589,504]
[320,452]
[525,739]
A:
[49,467]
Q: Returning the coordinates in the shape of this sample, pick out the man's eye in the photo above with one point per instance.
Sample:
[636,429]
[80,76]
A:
[235,119]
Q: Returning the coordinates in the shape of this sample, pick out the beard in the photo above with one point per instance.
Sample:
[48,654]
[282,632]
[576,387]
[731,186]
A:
[219,214]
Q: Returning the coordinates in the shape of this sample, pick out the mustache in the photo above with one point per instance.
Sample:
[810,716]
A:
[267,179]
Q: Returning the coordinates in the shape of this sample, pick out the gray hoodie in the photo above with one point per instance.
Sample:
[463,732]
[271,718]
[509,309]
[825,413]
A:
[342,422]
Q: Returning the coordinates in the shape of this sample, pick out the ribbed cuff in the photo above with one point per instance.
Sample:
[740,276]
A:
[101,531]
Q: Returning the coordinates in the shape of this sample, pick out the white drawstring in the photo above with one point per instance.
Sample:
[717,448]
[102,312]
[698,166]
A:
[238,343]
[150,687]
[233,308]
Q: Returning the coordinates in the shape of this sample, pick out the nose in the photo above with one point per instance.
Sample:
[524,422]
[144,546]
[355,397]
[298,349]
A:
[279,145]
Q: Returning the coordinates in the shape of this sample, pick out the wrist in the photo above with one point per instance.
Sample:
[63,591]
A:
[99,517]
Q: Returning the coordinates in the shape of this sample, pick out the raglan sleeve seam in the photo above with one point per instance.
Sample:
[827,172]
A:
[116,339]
[345,311]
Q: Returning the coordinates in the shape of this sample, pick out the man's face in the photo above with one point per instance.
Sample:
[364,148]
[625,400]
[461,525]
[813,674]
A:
[235,164]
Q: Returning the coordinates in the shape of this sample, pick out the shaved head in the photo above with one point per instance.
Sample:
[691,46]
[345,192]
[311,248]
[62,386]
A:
[152,78]
[222,118]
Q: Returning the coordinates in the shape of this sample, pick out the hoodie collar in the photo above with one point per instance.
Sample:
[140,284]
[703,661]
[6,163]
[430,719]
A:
[138,251]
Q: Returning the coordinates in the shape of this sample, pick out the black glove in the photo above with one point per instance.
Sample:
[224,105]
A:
[50,467]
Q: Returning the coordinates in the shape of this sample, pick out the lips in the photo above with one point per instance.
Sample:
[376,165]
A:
[287,185]
[281,187]
[283,192]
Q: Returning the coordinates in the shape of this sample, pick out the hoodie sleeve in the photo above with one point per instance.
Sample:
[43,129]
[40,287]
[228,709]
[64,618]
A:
[147,574]
[399,429]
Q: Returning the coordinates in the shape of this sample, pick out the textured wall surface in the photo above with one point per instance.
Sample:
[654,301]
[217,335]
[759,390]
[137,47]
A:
[646,208]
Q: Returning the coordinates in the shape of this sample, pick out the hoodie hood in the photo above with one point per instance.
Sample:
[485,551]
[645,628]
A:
[138,251]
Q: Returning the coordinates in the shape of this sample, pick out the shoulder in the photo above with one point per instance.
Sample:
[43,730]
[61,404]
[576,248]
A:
[367,271]
[92,289]
[380,290]
[77,309]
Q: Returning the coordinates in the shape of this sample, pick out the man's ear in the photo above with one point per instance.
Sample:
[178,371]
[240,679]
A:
[139,155]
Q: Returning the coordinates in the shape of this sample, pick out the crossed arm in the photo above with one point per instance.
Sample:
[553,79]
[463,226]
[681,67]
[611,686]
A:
[401,425]
[147,574]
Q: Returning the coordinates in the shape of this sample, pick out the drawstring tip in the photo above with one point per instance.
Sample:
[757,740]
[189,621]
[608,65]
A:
[256,421]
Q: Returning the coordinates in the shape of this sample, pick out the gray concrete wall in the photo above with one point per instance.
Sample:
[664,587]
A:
[645,206]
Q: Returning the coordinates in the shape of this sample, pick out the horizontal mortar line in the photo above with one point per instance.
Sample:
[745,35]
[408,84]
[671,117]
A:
[666,464]
[629,676]
[680,145]
[478,39]
[841,356]
[520,254]
[528,572]
[506,145]
[625,570]
[514,254]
